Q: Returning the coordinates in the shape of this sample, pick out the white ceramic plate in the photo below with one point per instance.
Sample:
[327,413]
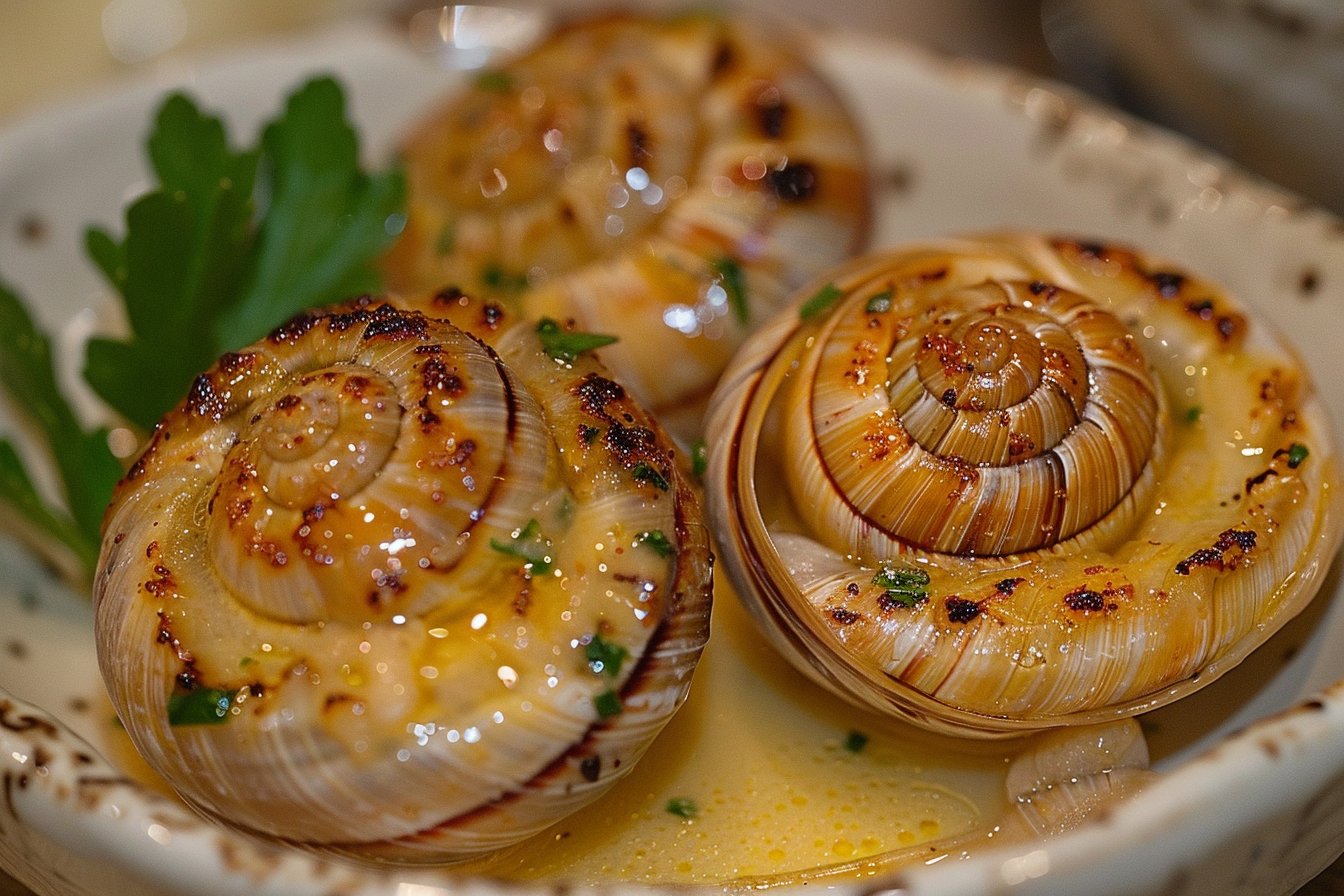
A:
[1252,794]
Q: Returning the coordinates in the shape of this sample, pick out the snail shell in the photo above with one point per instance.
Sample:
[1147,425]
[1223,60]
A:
[1030,482]
[380,588]
[667,181]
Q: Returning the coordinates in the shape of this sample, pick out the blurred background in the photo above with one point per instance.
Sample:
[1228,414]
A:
[1260,81]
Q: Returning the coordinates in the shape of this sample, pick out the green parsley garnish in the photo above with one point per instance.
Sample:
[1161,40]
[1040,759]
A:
[1193,413]
[605,657]
[225,245]
[200,706]
[494,277]
[855,741]
[904,586]
[824,298]
[588,433]
[734,283]
[879,304]
[699,458]
[657,540]
[683,807]
[566,345]
[494,80]
[87,468]
[529,545]
[608,704]
[1297,452]
[446,241]
[231,243]
[646,473]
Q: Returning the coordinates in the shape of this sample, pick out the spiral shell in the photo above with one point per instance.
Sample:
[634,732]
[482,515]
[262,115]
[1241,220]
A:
[667,181]
[381,588]
[1030,482]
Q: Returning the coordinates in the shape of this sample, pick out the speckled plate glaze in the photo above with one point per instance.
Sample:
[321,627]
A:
[1252,795]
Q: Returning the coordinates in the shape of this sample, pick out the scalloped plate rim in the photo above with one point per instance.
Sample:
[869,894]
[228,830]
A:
[1287,757]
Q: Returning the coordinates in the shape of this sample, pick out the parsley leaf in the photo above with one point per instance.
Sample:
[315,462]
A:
[699,458]
[903,586]
[608,704]
[231,243]
[326,221]
[86,467]
[657,540]
[528,545]
[734,283]
[605,657]
[682,807]
[225,245]
[566,345]
[201,706]
[879,303]
[1297,452]
[644,472]
[183,257]
[824,298]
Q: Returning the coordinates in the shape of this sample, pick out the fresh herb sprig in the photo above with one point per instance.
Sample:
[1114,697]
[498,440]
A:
[82,459]
[231,243]
[224,246]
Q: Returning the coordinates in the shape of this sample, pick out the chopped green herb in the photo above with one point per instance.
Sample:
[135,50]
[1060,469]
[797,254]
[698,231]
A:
[699,458]
[656,540]
[731,278]
[645,473]
[225,245]
[529,545]
[588,433]
[824,298]
[231,243]
[446,241]
[1297,452]
[608,704]
[904,586]
[683,807]
[245,662]
[494,277]
[605,657]
[1193,413]
[566,345]
[855,741]
[879,304]
[200,706]
[494,80]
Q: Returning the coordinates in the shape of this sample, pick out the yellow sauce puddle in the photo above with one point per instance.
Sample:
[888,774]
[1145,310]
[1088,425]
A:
[762,773]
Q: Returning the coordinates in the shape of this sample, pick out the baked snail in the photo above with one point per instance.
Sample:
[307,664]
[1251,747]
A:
[1030,482]
[666,180]
[380,588]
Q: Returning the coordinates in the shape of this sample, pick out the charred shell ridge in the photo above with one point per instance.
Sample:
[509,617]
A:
[370,587]
[1224,533]
[664,180]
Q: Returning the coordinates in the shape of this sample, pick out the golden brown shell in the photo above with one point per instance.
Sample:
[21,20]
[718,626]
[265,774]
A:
[665,180]
[378,587]
[1030,482]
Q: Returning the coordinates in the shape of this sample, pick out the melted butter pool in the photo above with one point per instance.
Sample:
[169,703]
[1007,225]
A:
[763,774]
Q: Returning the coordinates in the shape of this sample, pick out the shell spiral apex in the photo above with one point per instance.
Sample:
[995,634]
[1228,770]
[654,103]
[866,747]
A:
[383,588]
[1030,482]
